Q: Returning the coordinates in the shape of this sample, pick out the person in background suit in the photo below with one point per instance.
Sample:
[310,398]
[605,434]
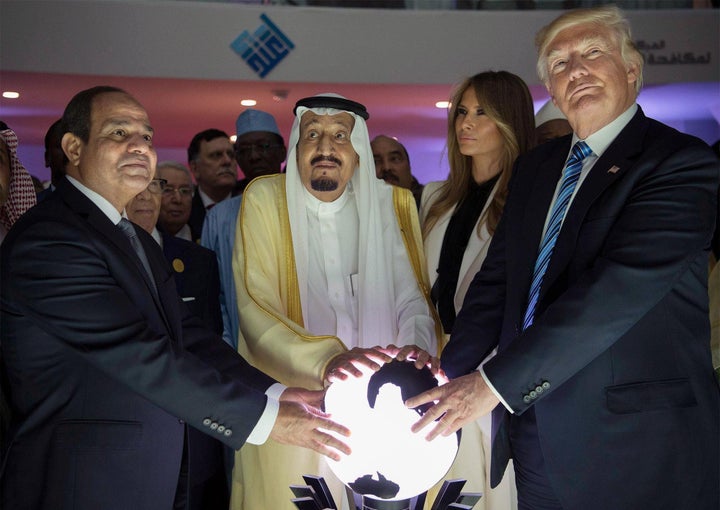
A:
[177,197]
[198,284]
[105,367]
[490,123]
[55,158]
[211,159]
[594,292]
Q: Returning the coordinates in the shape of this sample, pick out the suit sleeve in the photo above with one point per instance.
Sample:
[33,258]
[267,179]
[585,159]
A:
[88,295]
[655,246]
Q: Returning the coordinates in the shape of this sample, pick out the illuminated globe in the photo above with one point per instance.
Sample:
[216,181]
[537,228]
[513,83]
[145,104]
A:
[388,461]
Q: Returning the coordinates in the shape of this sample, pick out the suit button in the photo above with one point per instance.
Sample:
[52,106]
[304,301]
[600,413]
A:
[527,399]
[533,394]
[221,429]
[207,422]
[539,390]
[227,432]
[545,385]
[214,425]
[181,421]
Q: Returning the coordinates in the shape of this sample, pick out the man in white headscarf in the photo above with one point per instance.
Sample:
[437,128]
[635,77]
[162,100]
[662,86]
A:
[17,193]
[328,266]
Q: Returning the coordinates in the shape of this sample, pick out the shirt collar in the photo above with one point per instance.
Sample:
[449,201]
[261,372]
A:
[206,200]
[101,202]
[157,236]
[600,140]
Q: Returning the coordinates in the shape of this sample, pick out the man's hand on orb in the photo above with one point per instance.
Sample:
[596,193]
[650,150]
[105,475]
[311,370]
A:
[301,423]
[350,363]
[414,353]
[456,404]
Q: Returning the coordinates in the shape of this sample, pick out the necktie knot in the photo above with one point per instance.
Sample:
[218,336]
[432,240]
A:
[580,151]
[127,228]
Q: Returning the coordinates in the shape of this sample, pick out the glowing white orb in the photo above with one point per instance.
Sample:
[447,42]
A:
[388,460]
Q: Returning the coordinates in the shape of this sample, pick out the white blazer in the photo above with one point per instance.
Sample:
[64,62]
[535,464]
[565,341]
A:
[474,252]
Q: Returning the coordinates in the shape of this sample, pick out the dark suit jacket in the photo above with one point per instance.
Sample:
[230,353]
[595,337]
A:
[617,363]
[197,217]
[198,212]
[198,284]
[44,194]
[196,277]
[104,374]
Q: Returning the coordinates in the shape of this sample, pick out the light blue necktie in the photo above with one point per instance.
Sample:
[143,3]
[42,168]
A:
[129,231]
[571,173]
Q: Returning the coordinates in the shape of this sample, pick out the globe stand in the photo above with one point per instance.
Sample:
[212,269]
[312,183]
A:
[316,496]
[364,503]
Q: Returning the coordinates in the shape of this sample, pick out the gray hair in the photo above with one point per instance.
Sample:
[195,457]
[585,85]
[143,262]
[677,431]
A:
[175,165]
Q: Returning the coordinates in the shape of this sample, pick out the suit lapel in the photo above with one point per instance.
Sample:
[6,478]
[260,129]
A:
[611,166]
[99,222]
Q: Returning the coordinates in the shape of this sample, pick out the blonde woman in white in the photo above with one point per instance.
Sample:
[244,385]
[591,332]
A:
[490,123]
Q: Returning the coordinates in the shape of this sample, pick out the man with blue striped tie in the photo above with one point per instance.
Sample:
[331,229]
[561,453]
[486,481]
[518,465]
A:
[594,292]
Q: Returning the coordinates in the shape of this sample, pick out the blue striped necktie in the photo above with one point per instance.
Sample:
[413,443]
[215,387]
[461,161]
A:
[580,151]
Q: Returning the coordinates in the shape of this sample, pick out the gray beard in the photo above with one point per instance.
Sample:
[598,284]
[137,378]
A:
[323,184]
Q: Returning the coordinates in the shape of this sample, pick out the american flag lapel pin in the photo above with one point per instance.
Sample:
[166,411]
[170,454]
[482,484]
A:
[614,169]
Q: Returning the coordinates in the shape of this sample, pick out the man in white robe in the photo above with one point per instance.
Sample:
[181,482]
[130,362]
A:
[328,266]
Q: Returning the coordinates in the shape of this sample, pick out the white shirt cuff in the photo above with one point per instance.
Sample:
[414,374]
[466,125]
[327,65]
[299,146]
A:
[495,392]
[264,426]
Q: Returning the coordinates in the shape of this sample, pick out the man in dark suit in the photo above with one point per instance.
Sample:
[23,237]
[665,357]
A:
[211,158]
[195,271]
[104,365]
[602,386]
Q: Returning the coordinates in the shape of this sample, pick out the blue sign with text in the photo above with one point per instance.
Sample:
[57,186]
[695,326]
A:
[263,49]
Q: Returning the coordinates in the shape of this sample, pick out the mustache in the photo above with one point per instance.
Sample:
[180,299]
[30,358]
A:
[136,158]
[329,159]
[389,176]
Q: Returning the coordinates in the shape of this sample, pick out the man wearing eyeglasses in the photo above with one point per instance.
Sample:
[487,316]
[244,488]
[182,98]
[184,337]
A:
[176,201]
[196,277]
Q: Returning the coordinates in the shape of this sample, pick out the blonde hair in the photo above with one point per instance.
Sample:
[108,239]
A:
[607,16]
[506,100]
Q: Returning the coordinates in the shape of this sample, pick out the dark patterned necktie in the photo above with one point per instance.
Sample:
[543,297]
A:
[127,228]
